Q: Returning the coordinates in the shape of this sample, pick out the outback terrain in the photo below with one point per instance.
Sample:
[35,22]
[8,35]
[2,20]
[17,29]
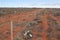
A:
[29,24]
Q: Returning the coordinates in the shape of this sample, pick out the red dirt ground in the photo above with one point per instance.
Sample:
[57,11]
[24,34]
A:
[44,24]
